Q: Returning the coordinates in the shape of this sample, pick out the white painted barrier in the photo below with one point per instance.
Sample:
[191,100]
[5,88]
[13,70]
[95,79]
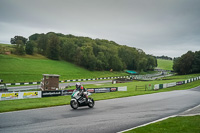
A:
[186,82]
[156,87]
[171,84]
[165,85]
[124,88]
[160,86]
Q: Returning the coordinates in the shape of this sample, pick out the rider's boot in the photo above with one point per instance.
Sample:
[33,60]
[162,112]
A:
[87,100]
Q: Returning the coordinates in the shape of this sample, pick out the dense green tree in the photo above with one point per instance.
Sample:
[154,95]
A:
[78,56]
[88,60]
[16,40]
[128,56]
[101,63]
[42,44]
[34,37]
[142,61]
[142,64]
[30,47]
[53,47]
[115,63]
[187,63]
[151,62]
[19,42]
[176,64]
[196,64]
[20,47]
[68,50]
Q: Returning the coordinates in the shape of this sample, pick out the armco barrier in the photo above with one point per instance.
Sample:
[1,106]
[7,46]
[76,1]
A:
[161,86]
[20,95]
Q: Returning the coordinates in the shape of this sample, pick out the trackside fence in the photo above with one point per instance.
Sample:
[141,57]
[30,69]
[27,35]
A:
[147,87]
[167,85]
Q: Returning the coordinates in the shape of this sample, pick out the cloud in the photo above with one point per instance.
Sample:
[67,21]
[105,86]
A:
[155,26]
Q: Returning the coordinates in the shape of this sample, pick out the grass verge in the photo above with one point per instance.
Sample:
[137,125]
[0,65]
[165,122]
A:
[183,124]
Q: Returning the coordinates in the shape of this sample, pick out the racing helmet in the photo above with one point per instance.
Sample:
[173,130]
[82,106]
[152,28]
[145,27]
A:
[78,85]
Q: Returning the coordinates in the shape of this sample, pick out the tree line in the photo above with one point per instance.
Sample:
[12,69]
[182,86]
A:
[164,57]
[92,54]
[188,63]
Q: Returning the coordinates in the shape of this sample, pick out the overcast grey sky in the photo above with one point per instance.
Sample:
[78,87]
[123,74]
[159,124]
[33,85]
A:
[159,27]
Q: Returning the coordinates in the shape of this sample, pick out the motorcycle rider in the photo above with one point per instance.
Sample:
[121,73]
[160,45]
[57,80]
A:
[82,90]
[78,86]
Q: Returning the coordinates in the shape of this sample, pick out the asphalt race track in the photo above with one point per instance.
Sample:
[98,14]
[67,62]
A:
[108,116]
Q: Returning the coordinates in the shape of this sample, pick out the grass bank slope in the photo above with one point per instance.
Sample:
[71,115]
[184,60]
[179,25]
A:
[6,47]
[165,64]
[30,68]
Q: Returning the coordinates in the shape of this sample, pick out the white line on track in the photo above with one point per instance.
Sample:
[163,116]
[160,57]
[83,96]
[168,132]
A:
[147,123]
[163,119]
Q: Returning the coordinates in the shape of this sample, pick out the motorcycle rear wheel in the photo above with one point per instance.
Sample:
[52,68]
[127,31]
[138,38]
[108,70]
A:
[91,103]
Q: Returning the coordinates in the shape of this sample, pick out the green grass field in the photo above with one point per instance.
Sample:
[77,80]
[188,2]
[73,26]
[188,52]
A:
[188,124]
[165,64]
[21,104]
[30,68]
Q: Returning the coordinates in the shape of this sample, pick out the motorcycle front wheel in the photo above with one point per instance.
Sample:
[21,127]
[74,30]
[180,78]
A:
[74,104]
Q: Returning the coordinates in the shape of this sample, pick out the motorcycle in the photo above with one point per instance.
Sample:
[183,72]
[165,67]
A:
[78,101]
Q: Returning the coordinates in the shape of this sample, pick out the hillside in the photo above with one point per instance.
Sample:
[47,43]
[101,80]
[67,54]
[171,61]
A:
[165,64]
[5,47]
[30,68]
[92,54]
